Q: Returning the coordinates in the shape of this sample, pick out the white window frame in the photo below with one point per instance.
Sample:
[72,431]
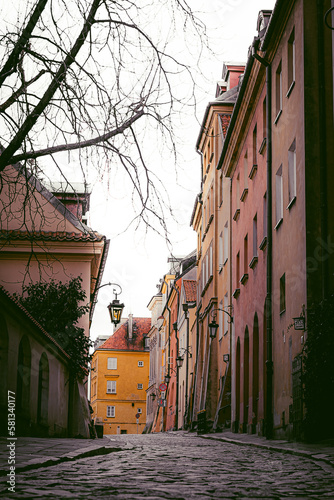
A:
[112,363]
[139,410]
[111,412]
[140,387]
[111,386]
[141,363]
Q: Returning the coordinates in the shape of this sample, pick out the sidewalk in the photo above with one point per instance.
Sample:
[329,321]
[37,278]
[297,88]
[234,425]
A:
[31,453]
[323,451]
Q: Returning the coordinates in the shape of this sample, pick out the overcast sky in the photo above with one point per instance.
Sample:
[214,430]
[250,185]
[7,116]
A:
[137,260]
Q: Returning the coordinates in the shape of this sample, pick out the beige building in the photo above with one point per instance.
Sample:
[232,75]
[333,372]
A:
[41,239]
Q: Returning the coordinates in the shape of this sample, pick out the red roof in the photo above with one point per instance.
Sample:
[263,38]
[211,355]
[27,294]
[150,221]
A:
[190,288]
[120,340]
[225,121]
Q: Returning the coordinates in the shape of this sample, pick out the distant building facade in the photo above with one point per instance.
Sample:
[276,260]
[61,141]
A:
[120,377]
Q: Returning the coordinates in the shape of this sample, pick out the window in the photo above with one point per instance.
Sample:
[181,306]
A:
[139,410]
[255,236]
[221,190]
[225,242]
[264,117]
[140,363]
[246,254]
[255,145]
[291,62]
[279,96]
[238,191]
[292,172]
[139,386]
[221,251]
[238,269]
[246,171]
[111,386]
[282,294]
[111,411]
[265,215]
[112,363]
[279,195]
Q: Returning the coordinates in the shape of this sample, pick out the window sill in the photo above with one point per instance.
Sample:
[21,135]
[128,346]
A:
[282,312]
[292,202]
[278,224]
[252,173]
[253,262]
[263,145]
[236,293]
[290,89]
[207,285]
[244,195]
[244,279]
[263,243]
[277,117]
[208,167]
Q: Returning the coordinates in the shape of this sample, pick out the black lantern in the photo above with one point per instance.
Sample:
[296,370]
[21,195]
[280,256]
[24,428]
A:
[213,327]
[179,361]
[116,309]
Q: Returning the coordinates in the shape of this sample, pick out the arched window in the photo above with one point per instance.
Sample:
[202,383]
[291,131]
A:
[23,377]
[246,379]
[255,383]
[43,390]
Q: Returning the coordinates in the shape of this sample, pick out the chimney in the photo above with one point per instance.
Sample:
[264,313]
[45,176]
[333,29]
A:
[130,326]
[74,196]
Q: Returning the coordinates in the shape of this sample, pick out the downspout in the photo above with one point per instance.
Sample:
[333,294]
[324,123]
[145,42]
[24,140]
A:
[322,144]
[269,423]
[196,364]
[177,350]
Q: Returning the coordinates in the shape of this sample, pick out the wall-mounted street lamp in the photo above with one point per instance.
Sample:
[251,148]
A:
[179,359]
[213,326]
[115,307]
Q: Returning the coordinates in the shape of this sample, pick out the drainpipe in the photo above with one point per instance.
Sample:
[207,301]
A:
[196,363]
[269,423]
[177,350]
[322,143]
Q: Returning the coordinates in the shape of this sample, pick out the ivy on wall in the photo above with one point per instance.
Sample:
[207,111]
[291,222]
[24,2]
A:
[58,306]
[318,374]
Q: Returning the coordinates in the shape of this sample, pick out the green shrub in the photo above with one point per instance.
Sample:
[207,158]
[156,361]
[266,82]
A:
[57,307]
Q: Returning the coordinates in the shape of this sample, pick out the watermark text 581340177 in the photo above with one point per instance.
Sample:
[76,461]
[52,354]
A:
[11,445]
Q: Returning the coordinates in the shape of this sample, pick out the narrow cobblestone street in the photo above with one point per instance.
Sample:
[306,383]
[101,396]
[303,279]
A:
[178,466]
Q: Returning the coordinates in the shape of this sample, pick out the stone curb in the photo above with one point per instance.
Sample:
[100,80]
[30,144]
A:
[302,453]
[36,463]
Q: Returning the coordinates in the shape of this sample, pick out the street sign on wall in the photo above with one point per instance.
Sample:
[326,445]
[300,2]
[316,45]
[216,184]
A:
[162,387]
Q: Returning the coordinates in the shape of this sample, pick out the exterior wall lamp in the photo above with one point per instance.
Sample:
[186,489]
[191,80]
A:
[115,307]
[179,359]
[213,326]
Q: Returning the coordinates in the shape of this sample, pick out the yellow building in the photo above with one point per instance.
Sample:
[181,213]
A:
[119,378]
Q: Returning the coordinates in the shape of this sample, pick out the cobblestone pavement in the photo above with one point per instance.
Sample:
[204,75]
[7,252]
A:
[178,466]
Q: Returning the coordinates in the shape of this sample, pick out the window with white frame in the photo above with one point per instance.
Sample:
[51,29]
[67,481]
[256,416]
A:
[112,363]
[279,195]
[111,386]
[292,171]
[140,363]
[111,411]
[139,386]
[139,410]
